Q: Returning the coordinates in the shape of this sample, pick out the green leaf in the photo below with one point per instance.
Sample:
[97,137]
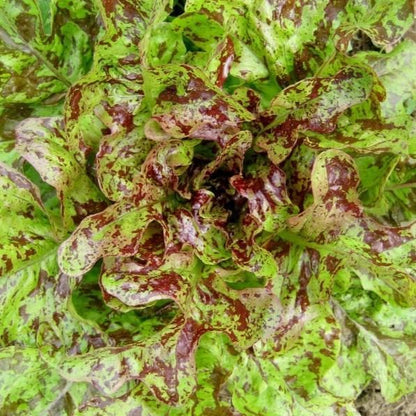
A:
[385,340]
[393,71]
[29,233]
[238,181]
[385,22]
[116,230]
[380,255]
[34,294]
[118,160]
[310,105]
[41,141]
[35,387]
[40,58]
[188,105]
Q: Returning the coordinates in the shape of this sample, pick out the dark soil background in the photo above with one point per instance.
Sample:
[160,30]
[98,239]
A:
[371,403]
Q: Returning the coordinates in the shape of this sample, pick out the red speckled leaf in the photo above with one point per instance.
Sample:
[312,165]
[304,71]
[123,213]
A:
[117,230]
[165,361]
[135,284]
[118,162]
[42,142]
[297,168]
[186,104]
[250,256]
[311,105]
[167,161]
[28,233]
[264,187]
[385,22]
[382,256]
[203,228]
[229,158]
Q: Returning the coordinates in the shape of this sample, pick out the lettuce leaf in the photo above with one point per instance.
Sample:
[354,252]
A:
[207,206]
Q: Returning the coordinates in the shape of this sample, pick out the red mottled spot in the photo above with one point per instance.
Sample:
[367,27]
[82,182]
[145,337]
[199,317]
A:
[385,238]
[87,208]
[342,175]
[75,96]
[332,263]
[121,115]
[226,59]
[8,264]
[109,6]
[309,268]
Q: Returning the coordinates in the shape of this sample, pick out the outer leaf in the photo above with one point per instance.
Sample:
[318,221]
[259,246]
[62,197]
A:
[29,234]
[208,306]
[295,371]
[110,98]
[393,71]
[168,374]
[387,187]
[102,101]
[33,294]
[338,219]
[43,49]
[138,400]
[41,142]
[277,35]
[117,230]
[125,24]
[311,105]
[385,338]
[35,387]
[385,22]
[163,46]
[214,359]
[366,136]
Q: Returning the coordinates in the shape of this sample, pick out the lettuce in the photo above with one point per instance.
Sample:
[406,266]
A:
[207,206]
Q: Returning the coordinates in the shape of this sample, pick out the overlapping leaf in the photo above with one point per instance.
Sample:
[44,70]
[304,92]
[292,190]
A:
[29,233]
[384,22]
[34,294]
[254,250]
[385,340]
[114,231]
[45,46]
[382,256]
[311,105]
[165,361]
[36,388]
[41,142]
[186,105]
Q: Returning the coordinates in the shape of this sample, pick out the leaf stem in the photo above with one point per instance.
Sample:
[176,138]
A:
[401,186]
[300,241]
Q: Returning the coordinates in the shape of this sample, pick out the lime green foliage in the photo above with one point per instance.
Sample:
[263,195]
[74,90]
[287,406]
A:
[46,46]
[207,207]
[42,142]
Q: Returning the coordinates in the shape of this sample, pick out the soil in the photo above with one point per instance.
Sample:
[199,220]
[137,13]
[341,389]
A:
[371,403]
